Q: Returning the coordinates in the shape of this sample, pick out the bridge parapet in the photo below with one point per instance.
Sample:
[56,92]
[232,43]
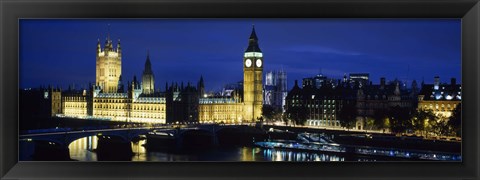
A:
[65,138]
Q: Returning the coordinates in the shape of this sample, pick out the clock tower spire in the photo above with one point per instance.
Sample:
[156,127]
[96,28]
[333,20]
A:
[252,79]
[253,42]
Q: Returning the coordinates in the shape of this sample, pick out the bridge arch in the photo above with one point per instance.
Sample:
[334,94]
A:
[65,139]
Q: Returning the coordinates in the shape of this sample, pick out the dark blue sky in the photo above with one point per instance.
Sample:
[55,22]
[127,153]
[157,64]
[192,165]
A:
[62,52]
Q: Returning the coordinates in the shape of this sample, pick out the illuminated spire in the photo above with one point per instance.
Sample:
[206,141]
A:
[108,42]
[98,45]
[148,65]
[119,48]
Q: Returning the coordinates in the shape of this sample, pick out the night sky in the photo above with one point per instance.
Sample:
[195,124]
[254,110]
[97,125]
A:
[62,52]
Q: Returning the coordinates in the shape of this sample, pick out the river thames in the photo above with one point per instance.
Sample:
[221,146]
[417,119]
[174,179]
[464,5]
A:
[84,149]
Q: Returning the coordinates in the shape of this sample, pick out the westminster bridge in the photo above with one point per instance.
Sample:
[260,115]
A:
[54,144]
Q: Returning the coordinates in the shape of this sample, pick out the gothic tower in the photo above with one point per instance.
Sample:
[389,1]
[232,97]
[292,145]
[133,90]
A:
[108,66]
[201,87]
[148,81]
[252,79]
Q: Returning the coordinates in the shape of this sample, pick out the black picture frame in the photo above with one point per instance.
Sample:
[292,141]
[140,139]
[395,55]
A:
[11,11]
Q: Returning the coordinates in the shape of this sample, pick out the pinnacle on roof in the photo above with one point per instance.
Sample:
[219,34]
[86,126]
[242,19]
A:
[148,65]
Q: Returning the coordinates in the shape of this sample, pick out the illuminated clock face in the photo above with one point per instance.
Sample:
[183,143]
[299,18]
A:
[259,63]
[248,63]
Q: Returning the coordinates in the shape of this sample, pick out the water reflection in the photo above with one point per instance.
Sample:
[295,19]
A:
[139,151]
[286,155]
[84,150]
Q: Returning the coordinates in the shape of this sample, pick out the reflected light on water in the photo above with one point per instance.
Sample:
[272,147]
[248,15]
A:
[140,152]
[81,149]
[285,155]
[84,150]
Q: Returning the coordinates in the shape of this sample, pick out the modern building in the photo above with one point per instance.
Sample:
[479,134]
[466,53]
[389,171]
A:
[359,79]
[318,81]
[441,98]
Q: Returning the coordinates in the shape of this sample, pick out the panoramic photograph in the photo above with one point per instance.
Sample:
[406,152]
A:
[230,90]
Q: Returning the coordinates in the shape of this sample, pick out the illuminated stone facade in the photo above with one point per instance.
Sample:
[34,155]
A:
[106,100]
[220,110]
[148,83]
[141,103]
[119,107]
[252,80]
[75,105]
[132,106]
[56,101]
[441,98]
[108,66]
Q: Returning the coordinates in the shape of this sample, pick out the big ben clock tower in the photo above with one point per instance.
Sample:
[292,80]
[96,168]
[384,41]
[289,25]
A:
[252,79]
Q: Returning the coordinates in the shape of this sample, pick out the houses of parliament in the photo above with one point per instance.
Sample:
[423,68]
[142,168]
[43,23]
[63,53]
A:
[140,103]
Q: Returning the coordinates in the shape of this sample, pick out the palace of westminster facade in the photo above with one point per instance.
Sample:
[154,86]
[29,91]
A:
[322,97]
[142,104]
